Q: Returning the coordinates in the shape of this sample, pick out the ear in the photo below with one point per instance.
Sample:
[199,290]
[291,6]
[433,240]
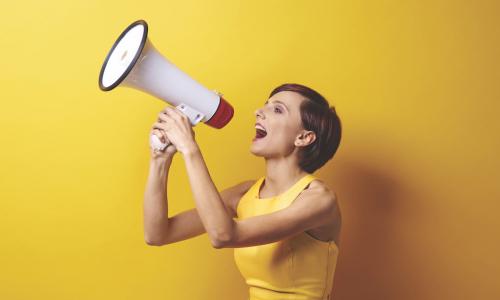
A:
[307,137]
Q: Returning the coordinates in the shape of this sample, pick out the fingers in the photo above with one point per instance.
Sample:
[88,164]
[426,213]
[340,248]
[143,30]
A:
[176,115]
[163,117]
[161,135]
[172,113]
[168,119]
[162,126]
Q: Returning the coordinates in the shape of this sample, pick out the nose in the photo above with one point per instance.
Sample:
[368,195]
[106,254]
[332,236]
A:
[260,113]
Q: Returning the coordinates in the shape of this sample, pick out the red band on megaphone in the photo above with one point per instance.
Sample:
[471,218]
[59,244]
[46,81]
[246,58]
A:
[222,115]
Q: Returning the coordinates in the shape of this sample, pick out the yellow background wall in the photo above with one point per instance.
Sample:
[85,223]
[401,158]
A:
[416,84]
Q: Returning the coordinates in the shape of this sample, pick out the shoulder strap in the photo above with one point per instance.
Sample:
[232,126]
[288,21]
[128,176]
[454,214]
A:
[292,192]
[297,188]
[253,191]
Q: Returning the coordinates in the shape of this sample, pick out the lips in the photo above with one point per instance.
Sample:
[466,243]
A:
[260,131]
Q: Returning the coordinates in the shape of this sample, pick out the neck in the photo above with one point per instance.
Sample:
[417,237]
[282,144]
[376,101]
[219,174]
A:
[281,174]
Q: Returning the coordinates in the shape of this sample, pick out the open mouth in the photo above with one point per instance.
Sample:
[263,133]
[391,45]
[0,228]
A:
[260,131]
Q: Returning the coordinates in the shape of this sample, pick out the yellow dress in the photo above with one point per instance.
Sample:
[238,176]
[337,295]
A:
[299,268]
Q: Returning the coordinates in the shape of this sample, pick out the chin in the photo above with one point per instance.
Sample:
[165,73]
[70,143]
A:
[256,151]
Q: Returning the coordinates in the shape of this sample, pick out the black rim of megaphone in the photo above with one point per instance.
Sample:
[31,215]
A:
[132,63]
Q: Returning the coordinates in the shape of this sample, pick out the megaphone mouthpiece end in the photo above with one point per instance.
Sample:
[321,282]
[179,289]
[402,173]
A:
[130,43]
[222,115]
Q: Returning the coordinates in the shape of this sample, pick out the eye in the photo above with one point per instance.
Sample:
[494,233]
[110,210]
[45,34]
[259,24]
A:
[278,110]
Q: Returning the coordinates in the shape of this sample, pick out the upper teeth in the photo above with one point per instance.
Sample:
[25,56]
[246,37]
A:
[260,127]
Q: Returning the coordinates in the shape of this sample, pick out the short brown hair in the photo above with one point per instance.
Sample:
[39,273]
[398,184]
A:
[321,118]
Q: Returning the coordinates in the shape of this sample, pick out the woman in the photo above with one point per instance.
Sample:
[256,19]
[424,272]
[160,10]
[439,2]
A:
[284,226]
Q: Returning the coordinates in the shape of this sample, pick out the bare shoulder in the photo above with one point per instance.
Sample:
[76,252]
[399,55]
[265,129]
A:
[327,199]
[322,195]
[321,190]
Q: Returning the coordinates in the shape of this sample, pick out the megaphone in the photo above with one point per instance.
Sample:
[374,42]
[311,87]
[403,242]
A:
[134,62]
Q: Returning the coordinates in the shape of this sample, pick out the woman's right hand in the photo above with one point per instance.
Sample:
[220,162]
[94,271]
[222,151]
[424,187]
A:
[168,152]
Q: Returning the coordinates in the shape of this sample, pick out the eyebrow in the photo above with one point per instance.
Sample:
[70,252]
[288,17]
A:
[277,101]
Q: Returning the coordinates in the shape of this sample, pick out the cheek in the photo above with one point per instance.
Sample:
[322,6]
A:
[284,135]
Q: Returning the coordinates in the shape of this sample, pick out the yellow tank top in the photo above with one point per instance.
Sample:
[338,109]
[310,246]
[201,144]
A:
[299,268]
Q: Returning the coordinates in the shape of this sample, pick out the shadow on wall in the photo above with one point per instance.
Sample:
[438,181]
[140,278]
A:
[374,262]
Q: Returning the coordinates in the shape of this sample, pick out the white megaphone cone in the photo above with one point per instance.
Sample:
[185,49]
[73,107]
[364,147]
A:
[134,62]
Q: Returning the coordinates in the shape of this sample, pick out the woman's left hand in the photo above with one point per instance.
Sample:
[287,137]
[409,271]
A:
[178,129]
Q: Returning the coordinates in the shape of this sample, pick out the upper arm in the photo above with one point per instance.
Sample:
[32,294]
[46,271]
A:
[187,224]
[311,209]
[232,195]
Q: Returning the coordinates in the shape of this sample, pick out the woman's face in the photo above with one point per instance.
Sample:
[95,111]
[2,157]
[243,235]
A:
[280,118]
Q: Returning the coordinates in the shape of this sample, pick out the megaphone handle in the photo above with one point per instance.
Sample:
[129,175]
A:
[156,144]
[194,117]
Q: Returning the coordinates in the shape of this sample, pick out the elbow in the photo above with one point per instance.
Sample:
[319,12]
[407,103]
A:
[157,235]
[218,244]
[221,240]
[153,242]
[150,242]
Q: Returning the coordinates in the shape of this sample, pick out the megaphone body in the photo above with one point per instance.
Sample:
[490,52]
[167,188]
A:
[134,62]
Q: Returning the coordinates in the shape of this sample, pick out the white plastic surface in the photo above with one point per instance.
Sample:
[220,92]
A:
[155,143]
[156,75]
[122,55]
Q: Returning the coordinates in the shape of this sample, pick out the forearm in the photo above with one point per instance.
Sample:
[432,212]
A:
[213,214]
[155,201]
